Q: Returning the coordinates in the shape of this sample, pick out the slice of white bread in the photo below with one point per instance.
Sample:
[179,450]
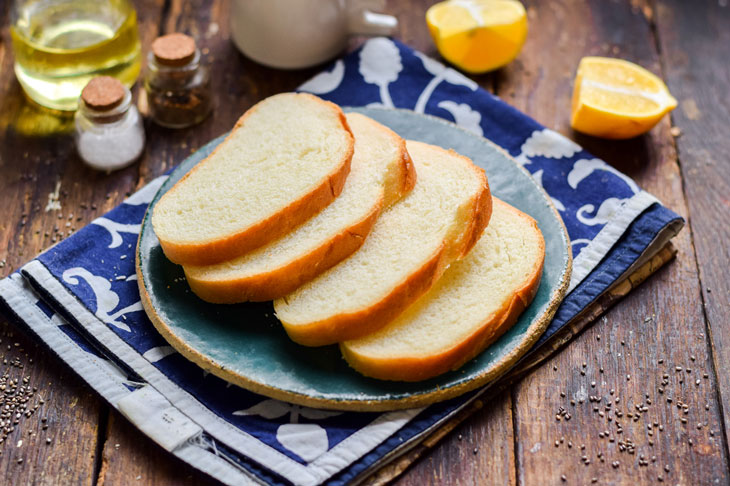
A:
[286,159]
[473,303]
[406,252]
[381,173]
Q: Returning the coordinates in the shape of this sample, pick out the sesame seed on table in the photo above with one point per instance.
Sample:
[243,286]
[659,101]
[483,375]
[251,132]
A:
[641,396]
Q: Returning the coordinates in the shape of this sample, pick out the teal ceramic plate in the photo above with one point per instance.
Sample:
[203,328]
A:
[246,345]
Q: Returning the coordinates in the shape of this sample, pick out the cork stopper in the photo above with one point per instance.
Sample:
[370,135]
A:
[174,49]
[103,93]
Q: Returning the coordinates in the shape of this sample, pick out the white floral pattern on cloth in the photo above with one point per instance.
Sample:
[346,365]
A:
[591,197]
[307,440]
[96,264]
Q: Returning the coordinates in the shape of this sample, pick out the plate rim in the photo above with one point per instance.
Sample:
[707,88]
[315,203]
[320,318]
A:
[497,369]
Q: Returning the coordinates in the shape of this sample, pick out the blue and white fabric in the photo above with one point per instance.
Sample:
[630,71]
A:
[80,297]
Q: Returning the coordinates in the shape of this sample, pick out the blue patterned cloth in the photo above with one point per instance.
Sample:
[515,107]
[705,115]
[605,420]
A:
[81,298]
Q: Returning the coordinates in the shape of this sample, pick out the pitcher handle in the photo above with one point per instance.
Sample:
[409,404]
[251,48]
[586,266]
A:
[363,21]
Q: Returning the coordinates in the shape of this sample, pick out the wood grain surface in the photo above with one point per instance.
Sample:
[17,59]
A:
[677,318]
[697,70]
[669,301]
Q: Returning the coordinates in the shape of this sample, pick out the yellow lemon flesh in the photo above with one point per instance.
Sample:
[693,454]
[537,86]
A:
[478,35]
[613,98]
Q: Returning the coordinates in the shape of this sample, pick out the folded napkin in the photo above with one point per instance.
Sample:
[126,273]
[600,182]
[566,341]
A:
[80,297]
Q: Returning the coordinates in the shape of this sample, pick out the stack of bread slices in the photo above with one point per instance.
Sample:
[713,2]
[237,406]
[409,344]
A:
[394,249]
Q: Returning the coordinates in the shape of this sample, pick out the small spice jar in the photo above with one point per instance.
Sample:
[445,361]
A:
[177,84]
[109,130]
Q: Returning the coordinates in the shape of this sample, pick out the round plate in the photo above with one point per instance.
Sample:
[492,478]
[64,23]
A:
[246,345]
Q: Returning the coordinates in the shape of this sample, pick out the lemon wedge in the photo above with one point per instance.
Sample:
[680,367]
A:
[613,98]
[478,35]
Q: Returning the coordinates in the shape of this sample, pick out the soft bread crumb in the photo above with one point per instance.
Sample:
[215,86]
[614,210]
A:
[465,310]
[379,172]
[280,152]
[410,245]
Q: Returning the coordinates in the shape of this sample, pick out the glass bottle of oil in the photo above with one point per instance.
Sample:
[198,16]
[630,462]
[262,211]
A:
[60,45]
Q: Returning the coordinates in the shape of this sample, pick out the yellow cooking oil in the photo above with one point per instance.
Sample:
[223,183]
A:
[60,45]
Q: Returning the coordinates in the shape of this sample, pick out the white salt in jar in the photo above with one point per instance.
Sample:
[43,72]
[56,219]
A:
[109,130]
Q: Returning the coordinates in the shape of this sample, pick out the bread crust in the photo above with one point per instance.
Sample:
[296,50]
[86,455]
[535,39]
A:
[278,282]
[417,368]
[343,327]
[407,176]
[479,219]
[276,225]
[284,280]
[365,321]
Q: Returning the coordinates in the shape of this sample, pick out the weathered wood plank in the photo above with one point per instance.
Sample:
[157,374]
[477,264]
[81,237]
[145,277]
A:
[129,457]
[693,39]
[67,414]
[478,451]
[623,344]
[38,163]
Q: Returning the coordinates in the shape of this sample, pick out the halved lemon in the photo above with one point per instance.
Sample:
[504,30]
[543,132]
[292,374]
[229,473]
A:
[478,35]
[613,98]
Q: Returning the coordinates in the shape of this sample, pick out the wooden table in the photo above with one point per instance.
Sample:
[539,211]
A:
[679,317]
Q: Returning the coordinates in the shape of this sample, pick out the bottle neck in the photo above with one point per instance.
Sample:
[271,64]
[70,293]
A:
[107,116]
[174,74]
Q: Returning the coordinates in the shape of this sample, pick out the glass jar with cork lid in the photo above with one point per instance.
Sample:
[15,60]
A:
[109,130]
[177,84]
